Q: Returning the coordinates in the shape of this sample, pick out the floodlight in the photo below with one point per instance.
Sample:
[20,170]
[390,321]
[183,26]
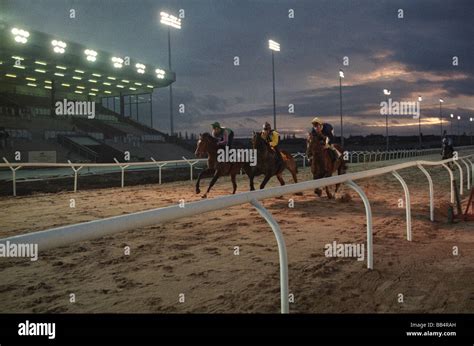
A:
[170,20]
[274,45]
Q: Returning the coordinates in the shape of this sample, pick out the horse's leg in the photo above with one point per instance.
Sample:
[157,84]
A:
[204,174]
[328,192]
[280,179]
[211,184]
[251,175]
[265,181]
[318,191]
[234,183]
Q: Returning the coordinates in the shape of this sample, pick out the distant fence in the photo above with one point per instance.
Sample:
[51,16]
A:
[66,235]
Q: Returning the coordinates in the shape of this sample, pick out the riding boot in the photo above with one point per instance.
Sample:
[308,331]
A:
[279,159]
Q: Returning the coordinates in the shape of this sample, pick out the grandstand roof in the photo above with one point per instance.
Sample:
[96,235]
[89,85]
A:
[35,59]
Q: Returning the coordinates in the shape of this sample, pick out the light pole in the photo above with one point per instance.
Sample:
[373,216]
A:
[471,119]
[341,75]
[170,21]
[452,118]
[441,117]
[274,47]
[419,120]
[459,134]
[387,93]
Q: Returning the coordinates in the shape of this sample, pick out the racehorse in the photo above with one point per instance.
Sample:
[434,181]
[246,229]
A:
[322,163]
[207,144]
[267,165]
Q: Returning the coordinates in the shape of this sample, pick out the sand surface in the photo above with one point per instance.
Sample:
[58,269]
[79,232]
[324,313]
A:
[196,256]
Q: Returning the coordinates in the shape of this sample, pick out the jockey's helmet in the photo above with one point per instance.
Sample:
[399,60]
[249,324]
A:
[216,125]
[316,121]
[267,126]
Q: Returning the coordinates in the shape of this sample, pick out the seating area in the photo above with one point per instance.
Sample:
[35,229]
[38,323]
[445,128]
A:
[31,127]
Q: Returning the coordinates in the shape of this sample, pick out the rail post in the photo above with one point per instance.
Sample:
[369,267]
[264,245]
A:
[284,292]
[407,203]
[468,171]
[430,183]
[368,214]
[191,164]
[75,173]
[160,166]
[122,167]
[472,170]
[461,190]
[13,174]
[451,179]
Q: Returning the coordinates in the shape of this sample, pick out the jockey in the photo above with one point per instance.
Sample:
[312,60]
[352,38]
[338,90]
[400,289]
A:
[447,143]
[272,137]
[224,135]
[326,132]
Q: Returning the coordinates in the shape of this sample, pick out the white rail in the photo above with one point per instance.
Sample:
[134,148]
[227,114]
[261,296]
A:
[66,235]
[362,157]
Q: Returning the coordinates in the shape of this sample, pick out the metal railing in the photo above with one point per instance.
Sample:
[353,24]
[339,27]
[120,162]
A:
[366,156]
[69,234]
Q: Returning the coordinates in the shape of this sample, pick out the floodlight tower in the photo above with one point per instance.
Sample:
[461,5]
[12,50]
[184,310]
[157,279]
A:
[419,121]
[274,47]
[441,117]
[341,75]
[387,93]
[171,22]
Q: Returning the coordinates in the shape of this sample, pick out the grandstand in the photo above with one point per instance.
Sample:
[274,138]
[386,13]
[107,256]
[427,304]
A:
[39,69]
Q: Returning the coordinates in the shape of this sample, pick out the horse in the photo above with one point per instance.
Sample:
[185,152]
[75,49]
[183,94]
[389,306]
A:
[322,163]
[207,144]
[266,163]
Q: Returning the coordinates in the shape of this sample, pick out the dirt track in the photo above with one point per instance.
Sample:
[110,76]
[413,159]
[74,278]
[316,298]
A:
[195,256]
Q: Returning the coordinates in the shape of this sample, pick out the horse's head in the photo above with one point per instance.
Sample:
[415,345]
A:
[258,142]
[205,144]
[313,144]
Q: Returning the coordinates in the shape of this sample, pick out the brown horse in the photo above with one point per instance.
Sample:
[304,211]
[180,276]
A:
[322,163]
[208,145]
[267,165]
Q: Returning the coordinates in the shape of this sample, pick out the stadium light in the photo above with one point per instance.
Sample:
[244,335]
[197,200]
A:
[20,35]
[10,75]
[275,46]
[58,46]
[21,67]
[168,19]
[40,70]
[118,62]
[160,74]
[140,68]
[91,55]
[40,63]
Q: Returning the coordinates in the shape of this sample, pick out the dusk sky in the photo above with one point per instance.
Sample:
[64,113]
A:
[410,56]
